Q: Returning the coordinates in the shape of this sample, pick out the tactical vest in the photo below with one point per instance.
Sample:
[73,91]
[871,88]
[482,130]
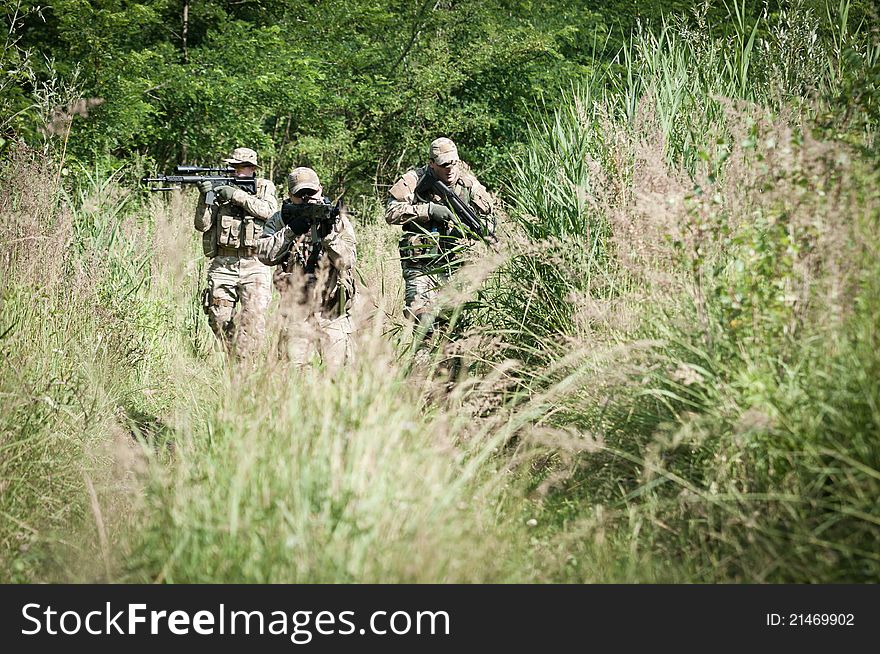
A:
[233,229]
[306,265]
[433,245]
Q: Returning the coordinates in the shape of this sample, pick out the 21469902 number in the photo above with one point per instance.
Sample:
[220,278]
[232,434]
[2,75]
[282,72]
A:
[821,619]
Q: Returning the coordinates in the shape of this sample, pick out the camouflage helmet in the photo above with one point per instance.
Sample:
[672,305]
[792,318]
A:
[303,178]
[242,156]
[443,151]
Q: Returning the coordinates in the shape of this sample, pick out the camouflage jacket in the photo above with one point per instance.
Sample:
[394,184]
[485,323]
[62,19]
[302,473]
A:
[237,224]
[328,285]
[426,243]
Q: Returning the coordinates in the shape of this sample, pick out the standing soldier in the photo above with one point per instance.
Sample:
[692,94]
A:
[314,246]
[432,234]
[236,278]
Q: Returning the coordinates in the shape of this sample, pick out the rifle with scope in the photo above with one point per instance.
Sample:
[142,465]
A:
[195,174]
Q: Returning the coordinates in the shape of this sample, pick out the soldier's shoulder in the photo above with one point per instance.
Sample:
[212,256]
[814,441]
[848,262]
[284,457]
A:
[346,222]
[264,183]
[466,175]
[406,184]
[413,175]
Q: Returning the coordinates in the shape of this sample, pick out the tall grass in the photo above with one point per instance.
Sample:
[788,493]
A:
[133,451]
[304,477]
[671,374]
[721,274]
[88,351]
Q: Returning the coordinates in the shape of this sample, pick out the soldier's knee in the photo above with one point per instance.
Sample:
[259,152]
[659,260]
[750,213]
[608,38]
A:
[255,298]
[419,306]
[220,317]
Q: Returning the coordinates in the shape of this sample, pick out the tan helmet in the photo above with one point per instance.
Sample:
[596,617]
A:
[443,151]
[242,156]
[303,178]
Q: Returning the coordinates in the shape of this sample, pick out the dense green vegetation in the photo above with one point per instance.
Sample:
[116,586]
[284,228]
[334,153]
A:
[671,367]
[710,253]
[346,87]
[349,88]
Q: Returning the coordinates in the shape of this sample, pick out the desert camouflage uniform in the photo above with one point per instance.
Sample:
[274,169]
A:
[427,252]
[230,235]
[317,289]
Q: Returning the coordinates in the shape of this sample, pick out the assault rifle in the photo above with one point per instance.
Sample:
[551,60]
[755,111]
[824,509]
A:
[196,174]
[320,218]
[468,217]
[322,214]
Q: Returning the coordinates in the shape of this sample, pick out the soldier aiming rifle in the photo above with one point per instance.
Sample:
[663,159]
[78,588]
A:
[232,209]
[442,207]
[312,242]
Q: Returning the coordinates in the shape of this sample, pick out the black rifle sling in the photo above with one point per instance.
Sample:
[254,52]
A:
[314,255]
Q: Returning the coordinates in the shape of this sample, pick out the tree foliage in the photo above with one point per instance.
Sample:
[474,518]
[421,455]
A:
[355,89]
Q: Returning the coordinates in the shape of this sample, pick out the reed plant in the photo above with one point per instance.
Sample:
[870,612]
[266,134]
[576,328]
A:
[707,256]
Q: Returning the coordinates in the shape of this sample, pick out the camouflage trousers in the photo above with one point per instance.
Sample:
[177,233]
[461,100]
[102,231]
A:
[237,297]
[421,290]
[309,331]
[304,341]
[306,336]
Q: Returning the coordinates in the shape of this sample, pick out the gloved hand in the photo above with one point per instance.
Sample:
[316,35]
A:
[224,193]
[204,186]
[440,213]
[294,217]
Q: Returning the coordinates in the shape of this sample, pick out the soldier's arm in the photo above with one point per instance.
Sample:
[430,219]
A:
[262,205]
[341,245]
[402,206]
[202,220]
[275,241]
[482,200]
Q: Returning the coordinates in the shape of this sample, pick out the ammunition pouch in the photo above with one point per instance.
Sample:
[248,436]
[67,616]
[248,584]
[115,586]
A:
[419,248]
[235,229]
